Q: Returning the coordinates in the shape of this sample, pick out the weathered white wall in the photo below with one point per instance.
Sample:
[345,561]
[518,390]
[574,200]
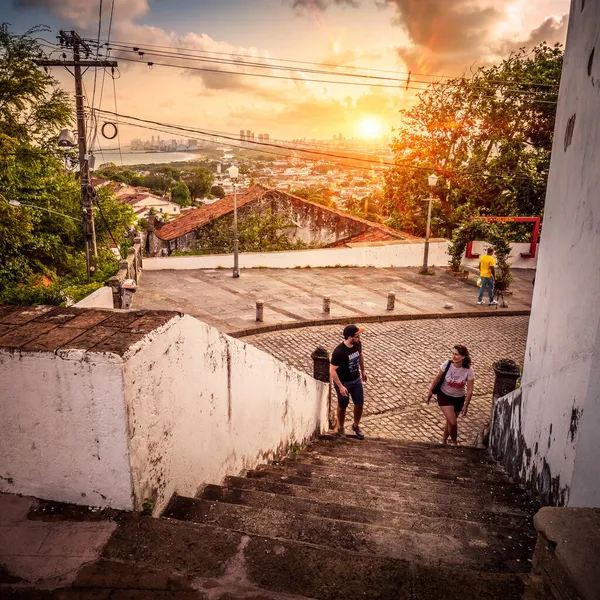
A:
[556,424]
[394,254]
[100,298]
[515,259]
[64,434]
[203,405]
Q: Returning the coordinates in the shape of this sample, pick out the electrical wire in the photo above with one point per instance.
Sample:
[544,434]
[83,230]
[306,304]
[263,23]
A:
[169,128]
[244,56]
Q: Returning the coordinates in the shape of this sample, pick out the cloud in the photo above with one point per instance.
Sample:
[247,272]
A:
[84,13]
[551,31]
[321,4]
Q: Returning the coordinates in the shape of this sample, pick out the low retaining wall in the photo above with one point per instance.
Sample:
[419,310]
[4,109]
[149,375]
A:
[395,254]
[165,404]
[129,268]
[101,298]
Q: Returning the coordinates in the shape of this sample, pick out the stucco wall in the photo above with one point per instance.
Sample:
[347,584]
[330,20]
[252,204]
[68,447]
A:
[557,429]
[64,434]
[396,254]
[203,405]
[100,298]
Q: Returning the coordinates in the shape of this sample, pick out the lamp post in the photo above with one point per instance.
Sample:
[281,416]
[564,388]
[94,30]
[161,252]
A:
[432,180]
[233,174]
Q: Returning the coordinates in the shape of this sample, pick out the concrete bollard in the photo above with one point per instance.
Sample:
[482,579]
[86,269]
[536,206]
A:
[260,310]
[320,364]
[391,300]
[327,304]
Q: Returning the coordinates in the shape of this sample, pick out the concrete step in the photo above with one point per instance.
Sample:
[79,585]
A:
[437,455]
[225,564]
[331,510]
[486,512]
[462,474]
[460,550]
[345,480]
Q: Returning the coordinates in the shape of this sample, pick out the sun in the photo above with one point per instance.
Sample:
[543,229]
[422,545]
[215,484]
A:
[370,127]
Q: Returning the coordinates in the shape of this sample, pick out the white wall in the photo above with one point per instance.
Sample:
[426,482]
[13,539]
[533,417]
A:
[395,254]
[100,298]
[515,259]
[203,405]
[558,429]
[64,434]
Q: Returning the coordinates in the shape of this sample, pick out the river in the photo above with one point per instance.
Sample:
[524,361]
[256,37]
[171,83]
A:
[128,157]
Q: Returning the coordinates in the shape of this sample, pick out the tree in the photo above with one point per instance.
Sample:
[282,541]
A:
[258,231]
[35,242]
[319,194]
[218,191]
[199,182]
[489,139]
[180,194]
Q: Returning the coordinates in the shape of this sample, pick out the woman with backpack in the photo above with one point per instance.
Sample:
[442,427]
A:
[453,386]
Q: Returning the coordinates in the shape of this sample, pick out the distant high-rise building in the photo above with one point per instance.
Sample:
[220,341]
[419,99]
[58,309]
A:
[266,137]
[248,135]
[252,136]
[260,138]
[153,139]
[242,135]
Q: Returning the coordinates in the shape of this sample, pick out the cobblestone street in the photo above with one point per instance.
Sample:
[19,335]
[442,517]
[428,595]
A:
[401,360]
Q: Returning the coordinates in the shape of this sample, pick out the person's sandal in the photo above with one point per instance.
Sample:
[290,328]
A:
[358,433]
[340,432]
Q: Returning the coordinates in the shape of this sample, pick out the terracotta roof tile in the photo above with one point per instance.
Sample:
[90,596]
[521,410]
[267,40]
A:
[201,216]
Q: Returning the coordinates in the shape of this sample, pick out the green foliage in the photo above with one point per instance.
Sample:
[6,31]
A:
[258,231]
[319,194]
[218,191]
[489,139]
[33,242]
[180,194]
[199,181]
[497,234]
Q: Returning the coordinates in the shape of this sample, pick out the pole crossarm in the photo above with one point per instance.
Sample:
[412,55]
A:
[75,63]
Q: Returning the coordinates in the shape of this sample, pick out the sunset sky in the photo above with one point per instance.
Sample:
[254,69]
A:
[426,37]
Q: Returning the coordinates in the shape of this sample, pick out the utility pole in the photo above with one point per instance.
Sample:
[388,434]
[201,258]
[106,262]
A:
[71,39]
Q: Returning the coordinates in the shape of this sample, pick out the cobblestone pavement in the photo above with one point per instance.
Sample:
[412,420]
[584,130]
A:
[401,359]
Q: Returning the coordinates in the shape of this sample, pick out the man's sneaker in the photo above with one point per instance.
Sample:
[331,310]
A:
[340,431]
[493,301]
[357,432]
[479,301]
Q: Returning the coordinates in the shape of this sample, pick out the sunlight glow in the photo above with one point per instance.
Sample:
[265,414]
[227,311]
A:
[370,128]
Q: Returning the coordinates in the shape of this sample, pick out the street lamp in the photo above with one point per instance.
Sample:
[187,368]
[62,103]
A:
[233,174]
[432,180]
[17,204]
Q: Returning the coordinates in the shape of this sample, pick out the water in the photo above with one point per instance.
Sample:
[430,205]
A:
[143,158]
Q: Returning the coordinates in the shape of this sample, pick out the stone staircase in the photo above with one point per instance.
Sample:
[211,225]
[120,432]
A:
[376,519]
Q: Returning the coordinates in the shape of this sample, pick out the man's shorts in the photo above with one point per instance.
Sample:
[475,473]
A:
[445,400]
[355,391]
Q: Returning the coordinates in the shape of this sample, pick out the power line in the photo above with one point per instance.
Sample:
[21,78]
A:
[141,51]
[148,124]
[244,56]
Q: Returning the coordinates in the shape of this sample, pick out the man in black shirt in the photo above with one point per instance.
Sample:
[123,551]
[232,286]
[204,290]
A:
[347,378]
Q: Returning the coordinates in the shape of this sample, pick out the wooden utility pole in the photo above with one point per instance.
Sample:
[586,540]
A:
[71,39]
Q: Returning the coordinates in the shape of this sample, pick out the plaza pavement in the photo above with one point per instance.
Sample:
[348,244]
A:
[296,295]
[402,356]
[401,359]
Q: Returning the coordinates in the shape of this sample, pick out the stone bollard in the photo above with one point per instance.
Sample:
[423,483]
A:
[327,305]
[320,364]
[259,310]
[507,372]
[391,300]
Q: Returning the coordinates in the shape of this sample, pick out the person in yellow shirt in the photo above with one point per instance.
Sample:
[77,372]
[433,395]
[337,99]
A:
[487,272]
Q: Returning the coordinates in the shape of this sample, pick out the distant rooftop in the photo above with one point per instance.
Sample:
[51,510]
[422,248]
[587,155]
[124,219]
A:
[51,328]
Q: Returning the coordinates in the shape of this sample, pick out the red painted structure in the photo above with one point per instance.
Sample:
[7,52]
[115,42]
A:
[534,236]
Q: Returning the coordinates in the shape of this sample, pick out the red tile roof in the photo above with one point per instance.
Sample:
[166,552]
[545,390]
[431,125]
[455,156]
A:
[202,216]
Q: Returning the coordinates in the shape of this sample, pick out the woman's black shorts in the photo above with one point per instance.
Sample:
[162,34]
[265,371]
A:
[445,400]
